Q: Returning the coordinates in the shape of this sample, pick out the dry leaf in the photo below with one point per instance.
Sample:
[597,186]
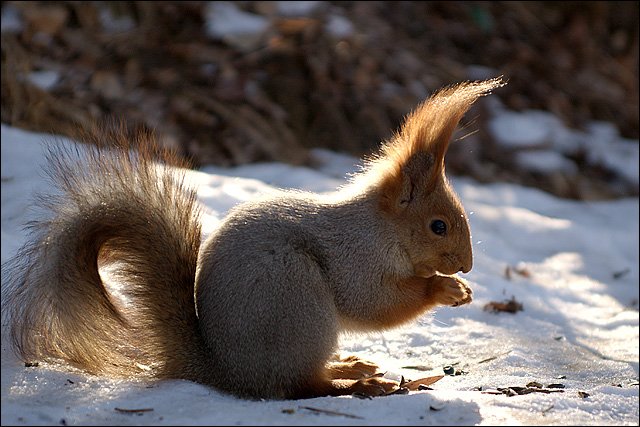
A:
[508,306]
[413,385]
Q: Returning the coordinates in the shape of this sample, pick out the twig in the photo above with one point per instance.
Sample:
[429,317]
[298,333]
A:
[489,359]
[544,411]
[329,412]
[132,411]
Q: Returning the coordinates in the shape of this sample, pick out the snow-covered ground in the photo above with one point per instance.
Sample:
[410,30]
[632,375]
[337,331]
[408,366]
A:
[572,265]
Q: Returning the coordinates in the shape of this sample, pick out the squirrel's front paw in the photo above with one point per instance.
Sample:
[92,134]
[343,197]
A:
[453,291]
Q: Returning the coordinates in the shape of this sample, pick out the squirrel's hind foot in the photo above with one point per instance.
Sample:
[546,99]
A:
[351,367]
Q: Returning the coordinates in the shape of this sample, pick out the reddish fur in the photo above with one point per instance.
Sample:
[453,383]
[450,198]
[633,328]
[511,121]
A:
[58,303]
[324,385]
[352,368]
[416,295]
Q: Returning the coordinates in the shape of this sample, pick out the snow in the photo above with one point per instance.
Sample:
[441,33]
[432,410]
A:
[545,161]
[11,22]
[519,129]
[572,265]
[339,26]
[225,18]
[225,21]
[44,79]
[115,24]
[298,8]
[620,156]
[542,143]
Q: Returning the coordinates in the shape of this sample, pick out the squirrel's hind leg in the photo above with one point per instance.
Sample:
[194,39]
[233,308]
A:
[325,385]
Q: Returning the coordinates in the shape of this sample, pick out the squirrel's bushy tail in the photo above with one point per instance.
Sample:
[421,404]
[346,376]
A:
[123,218]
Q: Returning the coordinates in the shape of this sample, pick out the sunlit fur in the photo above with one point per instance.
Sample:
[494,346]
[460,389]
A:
[114,204]
[257,308]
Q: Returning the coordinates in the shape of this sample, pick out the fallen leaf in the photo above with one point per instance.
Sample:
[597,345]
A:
[508,306]
[555,386]
[427,381]
[523,271]
[621,273]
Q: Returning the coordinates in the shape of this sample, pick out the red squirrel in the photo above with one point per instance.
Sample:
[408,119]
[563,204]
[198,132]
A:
[256,309]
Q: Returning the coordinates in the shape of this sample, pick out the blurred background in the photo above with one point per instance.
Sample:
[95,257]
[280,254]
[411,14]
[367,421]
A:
[230,83]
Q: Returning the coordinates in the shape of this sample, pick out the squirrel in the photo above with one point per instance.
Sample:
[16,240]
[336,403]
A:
[256,309]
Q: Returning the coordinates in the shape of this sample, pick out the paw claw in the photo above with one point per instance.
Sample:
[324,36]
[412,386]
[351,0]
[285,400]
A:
[455,292]
[375,386]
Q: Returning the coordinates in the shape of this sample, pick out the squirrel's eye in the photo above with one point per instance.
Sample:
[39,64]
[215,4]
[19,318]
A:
[439,227]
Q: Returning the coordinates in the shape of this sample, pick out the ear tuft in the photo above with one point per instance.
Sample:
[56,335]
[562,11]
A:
[430,126]
[427,130]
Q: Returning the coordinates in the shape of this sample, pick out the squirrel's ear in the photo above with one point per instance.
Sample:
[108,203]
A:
[416,180]
[403,183]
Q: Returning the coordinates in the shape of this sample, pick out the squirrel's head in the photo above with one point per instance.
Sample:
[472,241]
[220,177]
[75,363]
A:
[414,193]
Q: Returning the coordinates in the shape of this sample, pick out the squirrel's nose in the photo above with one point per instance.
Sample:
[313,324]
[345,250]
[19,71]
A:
[467,267]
